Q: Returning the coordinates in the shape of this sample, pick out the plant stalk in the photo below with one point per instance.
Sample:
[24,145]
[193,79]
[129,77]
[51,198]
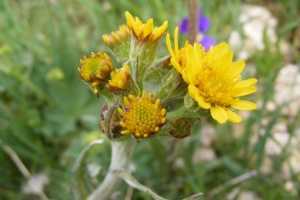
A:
[121,155]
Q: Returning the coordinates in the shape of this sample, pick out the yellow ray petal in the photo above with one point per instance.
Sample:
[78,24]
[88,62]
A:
[219,114]
[202,103]
[176,65]
[176,40]
[246,91]
[194,93]
[219,50]
[224,62]
[243,105]
[169,46]
[245,83]
[148,28]
[233,117]
[236,68]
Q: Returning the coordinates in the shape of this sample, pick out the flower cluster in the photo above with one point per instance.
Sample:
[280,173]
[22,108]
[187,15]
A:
[202,80]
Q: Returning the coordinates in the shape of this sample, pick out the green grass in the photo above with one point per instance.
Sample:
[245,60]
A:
[48,115]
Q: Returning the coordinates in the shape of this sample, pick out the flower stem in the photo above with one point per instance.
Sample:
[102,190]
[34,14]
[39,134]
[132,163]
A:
[193,21]
[121,154]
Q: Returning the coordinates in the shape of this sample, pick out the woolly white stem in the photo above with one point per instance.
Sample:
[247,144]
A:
[121,154]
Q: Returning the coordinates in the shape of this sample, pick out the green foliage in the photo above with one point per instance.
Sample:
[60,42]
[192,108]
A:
[48,115]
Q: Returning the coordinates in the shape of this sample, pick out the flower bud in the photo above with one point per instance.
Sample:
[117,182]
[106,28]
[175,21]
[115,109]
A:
[115,122]
[180,128]
[121,82]
[144,43]
[95,70]
[119,42]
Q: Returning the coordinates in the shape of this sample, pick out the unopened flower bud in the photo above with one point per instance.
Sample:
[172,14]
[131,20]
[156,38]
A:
[180,128]
[121,82]
[115,122]
[95,70]
[119,42]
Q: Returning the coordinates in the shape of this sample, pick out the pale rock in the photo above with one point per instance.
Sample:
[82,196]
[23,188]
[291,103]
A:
[35,184]
[292,164]
[208,135]
[290,187]
[271,106]
[248,195]
[287,90]
[232,194]
[256,20]
[275,145]
[179,163]
[203,155]
[93,169]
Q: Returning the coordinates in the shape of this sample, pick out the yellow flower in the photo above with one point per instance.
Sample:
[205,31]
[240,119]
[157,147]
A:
[120,79]
[143,116]
[177,54]
[117,36]
[145,32]
[95,70]
[215,81]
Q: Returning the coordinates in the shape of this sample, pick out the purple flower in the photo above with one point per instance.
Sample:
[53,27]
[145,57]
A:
[203,26]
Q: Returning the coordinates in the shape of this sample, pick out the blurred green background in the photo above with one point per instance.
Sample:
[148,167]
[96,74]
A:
[48,115]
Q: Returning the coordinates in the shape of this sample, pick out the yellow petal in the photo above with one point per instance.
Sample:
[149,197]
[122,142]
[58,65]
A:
[235,69]
[189,76]
[130,19]
[219,114]
[233,117]
[169,46]
[176,65]
[243,105]
[176,40]
[193,91]
[190,53]
[245,83]
[246,91]
[203,103]
[197,54]
[148,28]
[224,62]
[220,50]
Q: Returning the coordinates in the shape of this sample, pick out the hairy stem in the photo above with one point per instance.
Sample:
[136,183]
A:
[121,154]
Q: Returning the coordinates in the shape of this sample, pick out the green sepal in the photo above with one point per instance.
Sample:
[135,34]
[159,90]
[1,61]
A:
[121,50]
[171,86]
[141,56]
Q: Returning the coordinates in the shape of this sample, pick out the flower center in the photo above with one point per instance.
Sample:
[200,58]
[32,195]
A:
[143,117]
[215,88]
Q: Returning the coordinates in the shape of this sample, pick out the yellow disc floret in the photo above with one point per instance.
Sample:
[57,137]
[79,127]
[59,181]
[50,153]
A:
[143,116]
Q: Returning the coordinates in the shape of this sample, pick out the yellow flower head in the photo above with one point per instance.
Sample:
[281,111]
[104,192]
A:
[215,81]
[177,54]
[95,70]
[143,116]
[117,36]
[145,32]
[120,79]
